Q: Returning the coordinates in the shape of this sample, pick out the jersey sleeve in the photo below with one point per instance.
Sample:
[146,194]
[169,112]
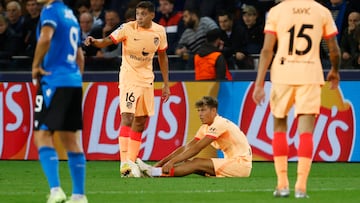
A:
[118,35]
[163,41]
[216,129]
[200,133]
[270,24]
[330,28]
[48,18]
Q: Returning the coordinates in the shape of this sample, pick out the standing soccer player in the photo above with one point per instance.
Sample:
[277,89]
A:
[58,64]
[140,40]
[297,26]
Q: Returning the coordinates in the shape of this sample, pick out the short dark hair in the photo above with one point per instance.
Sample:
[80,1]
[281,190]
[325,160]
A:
[171,1]
[213,35]
[225,13]
[146,5]
[207,101]
[193,10]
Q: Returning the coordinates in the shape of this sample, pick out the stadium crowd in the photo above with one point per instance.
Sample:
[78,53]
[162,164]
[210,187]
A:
[186,22]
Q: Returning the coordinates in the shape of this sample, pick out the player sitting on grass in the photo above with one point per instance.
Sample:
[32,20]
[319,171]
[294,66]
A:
[216,131]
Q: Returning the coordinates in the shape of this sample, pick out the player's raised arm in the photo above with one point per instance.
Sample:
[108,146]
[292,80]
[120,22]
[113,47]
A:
[99,43]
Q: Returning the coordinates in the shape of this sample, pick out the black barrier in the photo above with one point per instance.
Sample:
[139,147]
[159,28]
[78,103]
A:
[107,69]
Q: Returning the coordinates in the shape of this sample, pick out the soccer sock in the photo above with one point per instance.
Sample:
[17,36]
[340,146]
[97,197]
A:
[305,159]
[50,164]
[134,145]
[156,171]
[124,142]
[170,174]
[280,151]
[77,165]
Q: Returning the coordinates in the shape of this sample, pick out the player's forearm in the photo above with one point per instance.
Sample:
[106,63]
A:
[185,155]
[101,43]
[41,49]
[170,156]
[334,54]
[164,67]
[80,60]
[264,63]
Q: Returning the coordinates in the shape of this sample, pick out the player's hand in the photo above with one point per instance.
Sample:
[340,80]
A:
[165,92]
[333,77]
[37,72]
[89,40]
[258,95]
[167,167]
[159,164]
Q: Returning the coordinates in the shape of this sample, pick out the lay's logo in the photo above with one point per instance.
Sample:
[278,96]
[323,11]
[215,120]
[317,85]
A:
[334,132]
[165,130]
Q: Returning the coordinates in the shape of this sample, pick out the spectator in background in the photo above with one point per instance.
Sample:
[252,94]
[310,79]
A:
[209,62]
[252,38]
[9,44]
[208,8]
[86,21]
[340,11]
[15,17]
[172,21]
[30,23]
[82,6]
[98,12]
[349,44]
[194,35]
[230,35]
[112,22]
[2,9]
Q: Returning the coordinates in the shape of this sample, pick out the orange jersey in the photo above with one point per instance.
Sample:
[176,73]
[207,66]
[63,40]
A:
[299,26]
[138,48]
[227,137]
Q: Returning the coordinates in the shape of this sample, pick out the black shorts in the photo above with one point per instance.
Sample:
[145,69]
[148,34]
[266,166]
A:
[58,109]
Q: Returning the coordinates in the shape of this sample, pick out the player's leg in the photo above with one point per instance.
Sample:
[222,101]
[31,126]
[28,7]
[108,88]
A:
[49,161]
[280,155]
[137,128]
[70,138]
[305,126]
[281,100]
[144,109]
[124,139]
[199,166]
[128,98]
[308,101]
[233,167]
[47,116]
[76,163]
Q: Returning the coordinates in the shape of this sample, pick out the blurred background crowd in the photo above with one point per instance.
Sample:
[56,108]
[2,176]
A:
[187,22]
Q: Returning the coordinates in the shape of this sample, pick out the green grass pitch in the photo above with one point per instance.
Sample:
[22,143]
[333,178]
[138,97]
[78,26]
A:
[23,181]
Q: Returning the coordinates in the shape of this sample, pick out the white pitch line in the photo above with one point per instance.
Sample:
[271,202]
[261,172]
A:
[2,193]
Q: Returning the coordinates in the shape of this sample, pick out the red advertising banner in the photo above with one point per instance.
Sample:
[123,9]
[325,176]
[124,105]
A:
[334,133]
[176,121]
[165,131]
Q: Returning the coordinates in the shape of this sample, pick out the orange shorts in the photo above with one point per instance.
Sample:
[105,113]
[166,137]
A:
[305,98]
[137,100]
[232,167]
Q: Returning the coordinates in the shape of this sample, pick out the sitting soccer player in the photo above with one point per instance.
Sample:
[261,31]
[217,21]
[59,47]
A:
[221,134]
